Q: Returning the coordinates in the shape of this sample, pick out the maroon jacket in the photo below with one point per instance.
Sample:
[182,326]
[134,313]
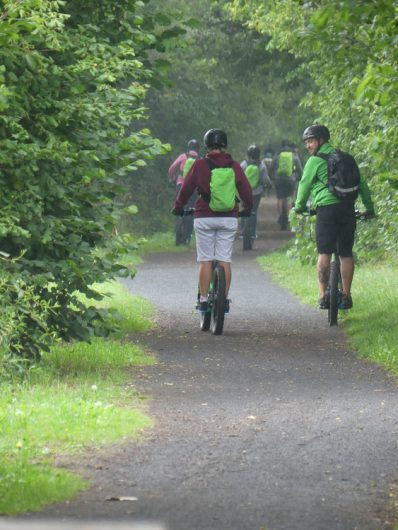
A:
[198,178]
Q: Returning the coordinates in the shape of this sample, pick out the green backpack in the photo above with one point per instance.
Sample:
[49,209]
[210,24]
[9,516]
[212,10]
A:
[285,164]
[189,162]
[222,188]
[252,173]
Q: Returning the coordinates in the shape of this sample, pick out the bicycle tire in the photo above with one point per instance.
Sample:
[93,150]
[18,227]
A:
[218,302]
[333,294]
[247,236]
[179,231]
[284,220]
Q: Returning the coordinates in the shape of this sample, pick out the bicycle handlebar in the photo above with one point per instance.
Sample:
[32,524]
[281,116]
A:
[242,213]
[191,211]
[363,216]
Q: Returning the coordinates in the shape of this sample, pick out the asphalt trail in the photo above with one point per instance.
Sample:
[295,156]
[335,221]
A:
[274,425]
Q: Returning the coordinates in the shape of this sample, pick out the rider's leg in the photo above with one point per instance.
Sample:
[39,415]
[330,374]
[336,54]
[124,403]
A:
[279,204]
[256,204]
[224,245]
[323,268]
[204,277]
[345,244]
[347,274]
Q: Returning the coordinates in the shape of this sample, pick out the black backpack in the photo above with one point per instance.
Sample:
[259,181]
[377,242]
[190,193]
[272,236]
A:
[343,175]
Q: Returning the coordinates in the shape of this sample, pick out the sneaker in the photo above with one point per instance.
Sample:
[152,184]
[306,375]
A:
[203,307]
[346,302]
[324,302]
[227,302]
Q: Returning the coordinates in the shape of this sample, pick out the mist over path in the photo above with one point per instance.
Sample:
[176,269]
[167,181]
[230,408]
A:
[275,424]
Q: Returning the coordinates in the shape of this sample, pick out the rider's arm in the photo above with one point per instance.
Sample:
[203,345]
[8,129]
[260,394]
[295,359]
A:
[244,188]
[188,187]
[176,166]
[305,184]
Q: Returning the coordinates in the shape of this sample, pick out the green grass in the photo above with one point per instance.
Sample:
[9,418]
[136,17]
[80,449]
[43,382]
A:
[80,396]
[133,312]
[159,242]
[371,325]
[26,486]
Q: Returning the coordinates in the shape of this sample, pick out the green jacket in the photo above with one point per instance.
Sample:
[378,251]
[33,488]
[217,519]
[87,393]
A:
[314,182]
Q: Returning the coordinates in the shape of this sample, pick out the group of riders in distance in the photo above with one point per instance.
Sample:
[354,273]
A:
[217,190]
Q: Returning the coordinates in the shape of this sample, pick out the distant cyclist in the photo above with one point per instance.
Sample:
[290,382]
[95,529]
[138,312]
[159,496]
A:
[284,174]
[268,160]
[335,220]
[177,172]
[218,180]
[257,175]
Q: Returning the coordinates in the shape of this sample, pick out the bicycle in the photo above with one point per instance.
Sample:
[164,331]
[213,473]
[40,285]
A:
[335,285]
[284,218]
[184,225]
[249,225]
[213,319]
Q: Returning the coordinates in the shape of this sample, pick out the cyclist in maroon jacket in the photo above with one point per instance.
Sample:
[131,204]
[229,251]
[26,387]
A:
[214,231]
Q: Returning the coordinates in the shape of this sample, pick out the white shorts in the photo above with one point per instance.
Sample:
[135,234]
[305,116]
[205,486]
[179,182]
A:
[215,238]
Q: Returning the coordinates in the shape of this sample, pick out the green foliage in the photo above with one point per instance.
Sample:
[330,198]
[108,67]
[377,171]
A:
[74,385]
[73,78]
[221,76]
[35,485]
[349,50]
[303,246]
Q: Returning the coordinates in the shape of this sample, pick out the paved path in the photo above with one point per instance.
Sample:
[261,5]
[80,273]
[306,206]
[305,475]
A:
[274,425]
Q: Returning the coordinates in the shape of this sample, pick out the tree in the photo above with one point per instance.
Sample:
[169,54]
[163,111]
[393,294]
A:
[73,79]
[348,49]
[221,76]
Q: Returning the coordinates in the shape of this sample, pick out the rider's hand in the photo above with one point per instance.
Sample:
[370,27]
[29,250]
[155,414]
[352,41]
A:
[299,210]
[369,215]
[177,211]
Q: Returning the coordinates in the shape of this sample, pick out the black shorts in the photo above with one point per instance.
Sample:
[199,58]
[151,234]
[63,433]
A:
[284,188]
[335,229]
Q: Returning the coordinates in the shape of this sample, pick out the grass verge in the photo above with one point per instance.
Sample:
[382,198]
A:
[371,324]
[80,396]
[159,242]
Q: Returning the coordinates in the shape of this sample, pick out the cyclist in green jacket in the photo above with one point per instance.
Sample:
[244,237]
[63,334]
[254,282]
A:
[336,222]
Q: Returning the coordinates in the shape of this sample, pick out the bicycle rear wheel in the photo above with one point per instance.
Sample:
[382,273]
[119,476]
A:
[218,301]
[247,233]
[333,293]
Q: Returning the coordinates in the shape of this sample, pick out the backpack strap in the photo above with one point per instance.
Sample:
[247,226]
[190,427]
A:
[324,156]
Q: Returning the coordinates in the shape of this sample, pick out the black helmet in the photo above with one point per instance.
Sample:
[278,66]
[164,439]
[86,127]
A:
[193,145]
[253,152]
[316,131]
[215,139]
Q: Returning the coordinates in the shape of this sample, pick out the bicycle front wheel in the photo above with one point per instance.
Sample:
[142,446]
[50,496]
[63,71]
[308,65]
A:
[333,294]
[218,303]
[247,234]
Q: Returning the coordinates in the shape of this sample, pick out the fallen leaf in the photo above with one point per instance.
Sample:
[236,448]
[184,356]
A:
[122,499]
